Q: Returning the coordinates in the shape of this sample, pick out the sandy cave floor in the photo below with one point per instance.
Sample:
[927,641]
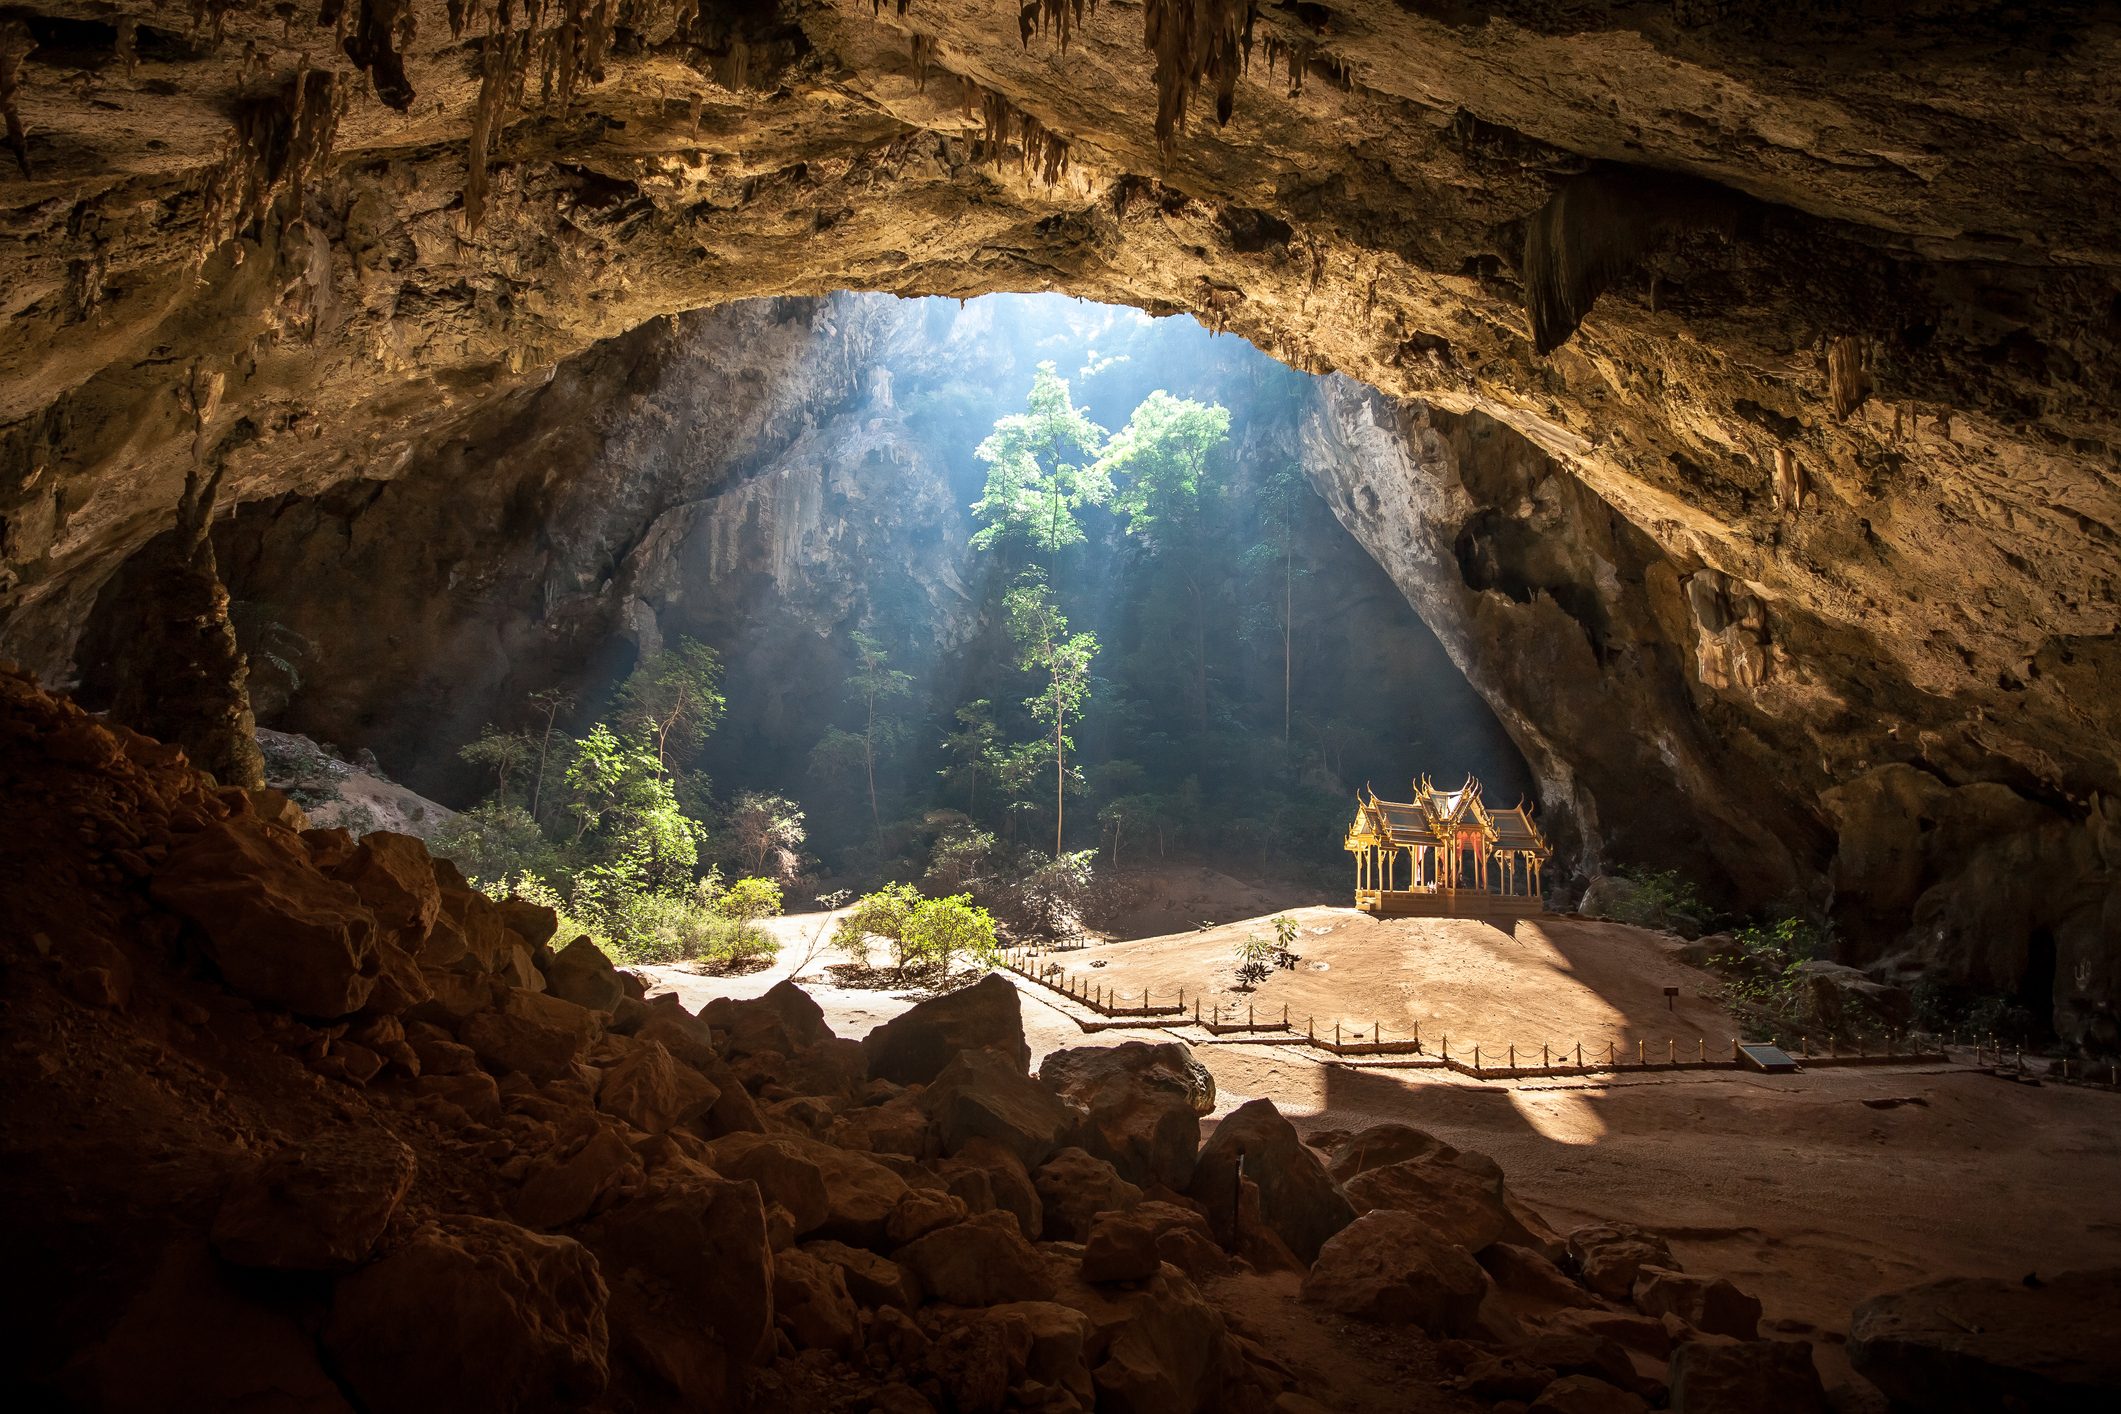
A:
[1811,1191]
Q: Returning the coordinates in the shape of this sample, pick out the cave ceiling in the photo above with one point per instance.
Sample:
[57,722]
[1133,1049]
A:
[1828,294]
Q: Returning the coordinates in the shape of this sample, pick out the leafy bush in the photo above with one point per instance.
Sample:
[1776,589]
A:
[882,914]
[1255,954]
[746,901]
[941,930]
[1659,895]
[1047,896]
[494,841]
[961,858]
[1759,969]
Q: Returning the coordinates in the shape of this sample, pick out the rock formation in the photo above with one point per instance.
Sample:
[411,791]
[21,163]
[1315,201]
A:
[1814,312]
[323,1181]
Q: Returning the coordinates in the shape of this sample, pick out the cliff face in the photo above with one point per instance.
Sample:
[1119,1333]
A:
[1822,308]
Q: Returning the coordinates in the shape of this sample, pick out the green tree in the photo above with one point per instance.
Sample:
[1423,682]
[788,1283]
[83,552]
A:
[677,695]
[1044,645]
[499,752]
[882,914]
[628,824]
[940,930]
[1042,469]
[548,703]
[746,901]
[1160,462]
[760,825]
[1271,566]
[970,750]
[873,689]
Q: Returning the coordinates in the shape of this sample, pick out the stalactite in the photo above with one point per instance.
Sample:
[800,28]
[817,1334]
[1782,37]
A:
[1848,381]
[126,47]
[1042,153]
[16,42]
[923,50]
[1195,42]
[378,27]
[279,140]
[1061,18]
[502,60]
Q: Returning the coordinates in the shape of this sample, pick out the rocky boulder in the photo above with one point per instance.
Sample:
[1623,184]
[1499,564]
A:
[691,1272]
[582,974]
[565,1187]
[785,1020]
[1074,1186]
[872,1281]
[987,1176]
[978,1262]
[1611,1255]
[1298,1200]
[1710,1305]
[811,1303]
[828,1191]
[1389,1266]
[1970,1343]
[1587,1394]
[652,1091]
[1631,901]
[532,1307]
[1154,1347]
[279,931]
[981,1095]
[1144,1104]
[395,880]
[913,1047]
[1845,999]
[1747,1377]
[320,1207]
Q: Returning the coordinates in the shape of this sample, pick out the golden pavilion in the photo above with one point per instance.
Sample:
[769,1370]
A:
[1445,852]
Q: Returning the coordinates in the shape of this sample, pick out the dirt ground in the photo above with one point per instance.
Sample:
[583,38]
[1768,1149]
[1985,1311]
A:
[1811,1191]
[1559,982]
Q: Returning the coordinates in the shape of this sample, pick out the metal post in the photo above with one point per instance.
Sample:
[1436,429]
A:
[1701,1049]
[1476,1058]
[1579,1055]
[1640,1059]
[1544,1063]
[1248,1017]
[1513,1057]
[1671,1050]
[1336,1035]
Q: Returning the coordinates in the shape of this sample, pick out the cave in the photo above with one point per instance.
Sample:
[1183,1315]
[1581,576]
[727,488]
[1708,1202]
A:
[685,683]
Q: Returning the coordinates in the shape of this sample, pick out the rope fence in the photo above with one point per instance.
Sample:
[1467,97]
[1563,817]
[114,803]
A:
[1119,1008]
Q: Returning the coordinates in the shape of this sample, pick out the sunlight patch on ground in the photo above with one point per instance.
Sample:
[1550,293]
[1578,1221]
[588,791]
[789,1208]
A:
[1564,1116]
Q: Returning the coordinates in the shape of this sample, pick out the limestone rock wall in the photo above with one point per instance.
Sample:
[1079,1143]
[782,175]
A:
[1818,299]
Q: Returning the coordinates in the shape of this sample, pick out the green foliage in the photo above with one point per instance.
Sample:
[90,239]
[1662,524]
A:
[628,820]
[1041,471]
[939,931]
[502,753]
[962,857]
[1159,461]
[748,900]
[882,914]
[1255,959]
[495,841]
[762,827]
[675,696]
[1659,897]
[1044,645]
[1285,940]
[1759,969]
[970,750]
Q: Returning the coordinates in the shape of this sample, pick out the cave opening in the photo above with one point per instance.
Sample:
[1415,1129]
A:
[826,520]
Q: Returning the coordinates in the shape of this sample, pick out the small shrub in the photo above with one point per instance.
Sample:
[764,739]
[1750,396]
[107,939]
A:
[1048,896]
[1660,896]
[1285,942]
[1255,959]
[745,902]
[941,930]
[882,914]
[1759,969]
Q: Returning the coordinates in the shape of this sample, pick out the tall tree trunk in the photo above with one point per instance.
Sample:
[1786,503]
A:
[1059,777]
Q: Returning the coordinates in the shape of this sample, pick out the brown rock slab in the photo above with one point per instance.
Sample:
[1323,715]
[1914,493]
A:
[1297,1199]
[563,1191]
[986,1175]
[784,1021]
[1587,1394]
[978,1262]
[913,1047]
[320,1207]
[1144,1104]
[1751,1377]
[981,1095]
[1074,1186]
[582,974]
[828,1191]
[1970,1343]
[279,931]
[1389,1266]
[1611,1255]
[532,1307]
[1121,1247]
[1708,1304]
[652,1091]
[811,1303]
[507,1041]
[396,882]
[698,1247]
[871,1280]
